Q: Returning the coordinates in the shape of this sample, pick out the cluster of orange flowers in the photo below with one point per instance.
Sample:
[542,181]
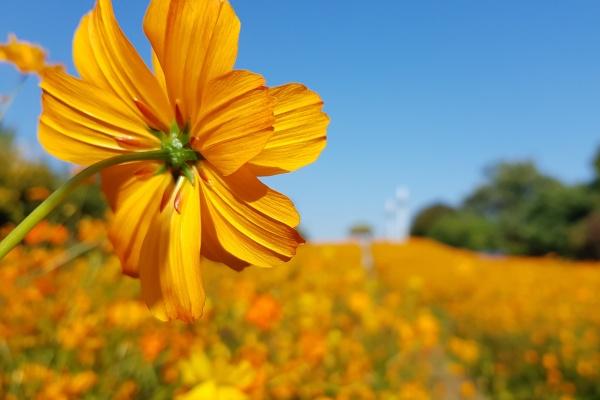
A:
[46,232]
[523,327]
[320,327]
[427,322]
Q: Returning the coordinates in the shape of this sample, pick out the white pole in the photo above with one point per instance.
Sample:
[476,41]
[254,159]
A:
[397,215]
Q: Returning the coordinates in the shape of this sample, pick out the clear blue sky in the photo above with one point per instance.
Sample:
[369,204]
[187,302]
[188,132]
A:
[420,93]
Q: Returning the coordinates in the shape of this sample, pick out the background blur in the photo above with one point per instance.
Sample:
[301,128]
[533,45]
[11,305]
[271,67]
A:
[423,95]
[453,220]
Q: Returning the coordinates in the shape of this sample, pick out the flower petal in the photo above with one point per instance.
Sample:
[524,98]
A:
[134,193]
[251,222]
[212,249]
[250,190]
[26,57]
[104,56]
[195,41]
[258,196]
[300,131]
[170,269]
[235,122]
[83,124]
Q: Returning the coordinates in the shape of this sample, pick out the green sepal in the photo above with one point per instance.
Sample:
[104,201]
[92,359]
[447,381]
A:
[161,170]
[155,132]
[189,174]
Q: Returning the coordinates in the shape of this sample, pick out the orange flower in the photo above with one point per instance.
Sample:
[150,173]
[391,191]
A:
[221,129]
[39,234]
[264,312]
[151,344]
[37,193]
[25,56]
[91,231]
[45,232]
[59,234]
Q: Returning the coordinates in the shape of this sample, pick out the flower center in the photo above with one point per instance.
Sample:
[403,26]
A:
[182,157]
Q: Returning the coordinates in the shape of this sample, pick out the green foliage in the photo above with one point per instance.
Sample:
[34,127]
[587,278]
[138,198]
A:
[508,186]
[591,243]
[465,229]
[24,183]
[424,221]
[545,221]
[17,177]
[596,165]
[519,210]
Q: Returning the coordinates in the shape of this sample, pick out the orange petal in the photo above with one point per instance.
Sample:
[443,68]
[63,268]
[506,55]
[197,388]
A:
[300,131]
[158,72]
[195,41]
[212,249]
[170,269]
[251,222]
[83,124]
[236,120]
[104,56]
[25,56]
[133,192]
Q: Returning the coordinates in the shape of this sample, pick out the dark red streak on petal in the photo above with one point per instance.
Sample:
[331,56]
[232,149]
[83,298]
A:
[165,198]
[149,116]
[178,200]
[128,142]
[179,115]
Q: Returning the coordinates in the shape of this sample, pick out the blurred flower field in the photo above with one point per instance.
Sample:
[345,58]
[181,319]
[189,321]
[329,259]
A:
[427,322]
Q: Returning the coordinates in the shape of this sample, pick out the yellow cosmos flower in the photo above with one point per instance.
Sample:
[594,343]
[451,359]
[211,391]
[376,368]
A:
[221,127]
[27,57]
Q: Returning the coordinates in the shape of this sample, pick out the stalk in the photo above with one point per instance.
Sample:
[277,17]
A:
[58,196]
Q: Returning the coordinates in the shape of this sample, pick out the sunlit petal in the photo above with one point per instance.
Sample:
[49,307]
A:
[195,41]
[83,124]
[133,190]
[105,57]
[246,220]
[170,269]
[236,121]
[300,131]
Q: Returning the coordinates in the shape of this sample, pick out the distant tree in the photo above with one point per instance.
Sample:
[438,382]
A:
[544,223]
[508,186]
[596,166]
[361,230]
[426,218]
[519,210]
[468,230]
[534,213]
[591,248]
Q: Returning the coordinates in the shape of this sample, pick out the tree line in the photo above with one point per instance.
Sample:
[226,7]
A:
[521,211]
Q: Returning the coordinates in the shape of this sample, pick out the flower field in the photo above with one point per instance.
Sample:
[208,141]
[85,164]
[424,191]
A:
[426,322]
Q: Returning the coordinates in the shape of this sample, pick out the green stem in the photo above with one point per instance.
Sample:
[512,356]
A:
[56,198]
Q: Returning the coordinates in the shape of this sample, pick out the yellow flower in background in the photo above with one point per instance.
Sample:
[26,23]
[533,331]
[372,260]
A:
[222,129]
[216,378]
[26,57]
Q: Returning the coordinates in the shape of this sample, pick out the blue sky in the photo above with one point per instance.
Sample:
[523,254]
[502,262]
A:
[423,94]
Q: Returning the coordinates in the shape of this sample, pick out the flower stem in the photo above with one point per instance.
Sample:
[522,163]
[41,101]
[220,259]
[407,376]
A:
[56,198]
